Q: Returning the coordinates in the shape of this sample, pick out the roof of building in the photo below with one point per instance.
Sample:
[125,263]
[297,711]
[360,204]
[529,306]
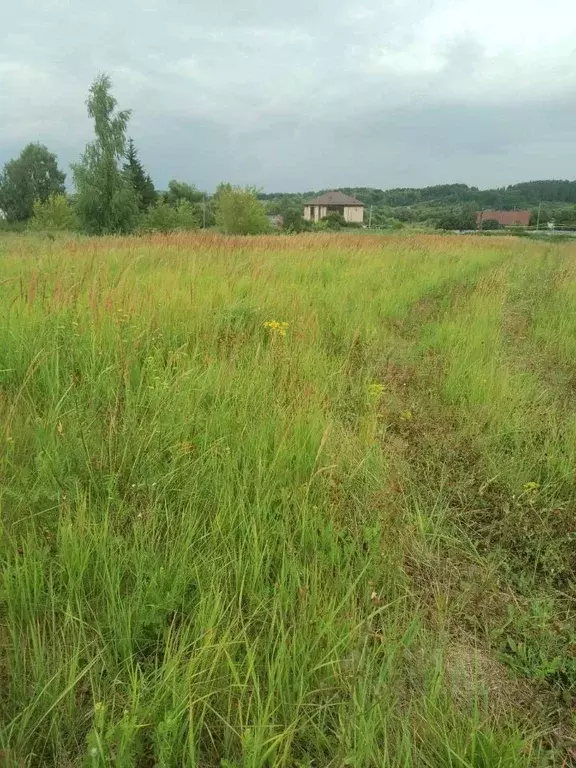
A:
[506,218]
[334,198]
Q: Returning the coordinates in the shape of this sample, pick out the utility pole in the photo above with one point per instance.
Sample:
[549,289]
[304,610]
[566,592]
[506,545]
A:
[370,219]
[204,213]
[538,219]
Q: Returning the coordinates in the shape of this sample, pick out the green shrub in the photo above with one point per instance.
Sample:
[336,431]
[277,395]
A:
[188,215]
[53,214]
[463,217]
[239,212]
[158,218]
[163,217]
[492,224]
[294,221]
[12,226]
[335,220]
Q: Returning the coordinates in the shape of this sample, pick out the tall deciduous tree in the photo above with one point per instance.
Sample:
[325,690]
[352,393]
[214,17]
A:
[106,201]
[140,180]
[34,175]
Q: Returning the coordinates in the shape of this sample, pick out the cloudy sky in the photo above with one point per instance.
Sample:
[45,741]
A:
[301,94]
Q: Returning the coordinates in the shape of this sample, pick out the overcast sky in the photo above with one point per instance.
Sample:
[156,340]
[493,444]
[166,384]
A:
[302,94]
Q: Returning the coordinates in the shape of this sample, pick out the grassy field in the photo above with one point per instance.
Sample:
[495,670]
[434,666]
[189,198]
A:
[287,501]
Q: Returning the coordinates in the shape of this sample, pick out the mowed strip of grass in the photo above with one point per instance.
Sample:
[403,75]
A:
[490,447]
[212,522]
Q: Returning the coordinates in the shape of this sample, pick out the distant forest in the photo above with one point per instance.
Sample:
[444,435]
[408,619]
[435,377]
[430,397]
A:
[524,195]
[555,198]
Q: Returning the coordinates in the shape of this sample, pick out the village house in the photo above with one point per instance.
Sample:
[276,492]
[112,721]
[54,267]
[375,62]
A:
[334,202]
[504,218]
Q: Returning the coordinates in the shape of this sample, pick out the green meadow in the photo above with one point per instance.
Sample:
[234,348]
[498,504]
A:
[294,501]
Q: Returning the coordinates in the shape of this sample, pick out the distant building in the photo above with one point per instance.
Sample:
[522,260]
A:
[504,218]
[334,202]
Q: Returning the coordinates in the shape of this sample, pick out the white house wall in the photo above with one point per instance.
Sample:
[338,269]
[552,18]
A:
[354,214]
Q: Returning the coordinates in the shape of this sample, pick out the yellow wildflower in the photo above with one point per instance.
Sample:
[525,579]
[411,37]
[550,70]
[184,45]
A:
[531,487]
[276,327]
[376,390]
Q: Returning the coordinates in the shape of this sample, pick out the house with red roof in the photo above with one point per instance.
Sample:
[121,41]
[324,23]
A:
[504,218]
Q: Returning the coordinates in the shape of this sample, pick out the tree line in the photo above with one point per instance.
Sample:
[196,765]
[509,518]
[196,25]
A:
[449,206]
[524,195]
[113,193]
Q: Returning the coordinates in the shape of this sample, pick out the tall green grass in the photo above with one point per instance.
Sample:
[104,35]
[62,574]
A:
[226,545]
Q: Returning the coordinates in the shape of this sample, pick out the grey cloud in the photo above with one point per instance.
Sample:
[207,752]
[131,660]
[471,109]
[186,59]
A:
[293,95]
